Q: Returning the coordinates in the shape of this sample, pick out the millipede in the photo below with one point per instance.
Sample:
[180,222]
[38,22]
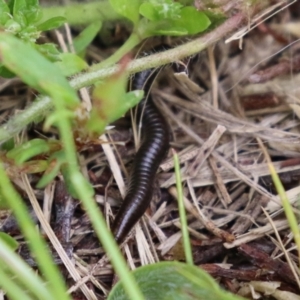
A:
[153,149]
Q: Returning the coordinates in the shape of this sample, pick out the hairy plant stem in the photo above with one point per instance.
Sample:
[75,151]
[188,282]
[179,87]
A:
[43,105]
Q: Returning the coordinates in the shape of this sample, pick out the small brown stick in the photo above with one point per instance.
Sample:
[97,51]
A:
[220,186]
[203,256]
[253,210]
[186,154]
[208,224]
[245,275]
[260,101]
[284,67]
[205,150]
[231,213]
[257,233]
[213,76]
[264,261]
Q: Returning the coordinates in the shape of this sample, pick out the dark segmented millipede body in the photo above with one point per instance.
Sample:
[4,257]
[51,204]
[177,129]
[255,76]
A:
[153,149]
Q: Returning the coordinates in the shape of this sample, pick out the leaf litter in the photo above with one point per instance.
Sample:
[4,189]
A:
[232,97]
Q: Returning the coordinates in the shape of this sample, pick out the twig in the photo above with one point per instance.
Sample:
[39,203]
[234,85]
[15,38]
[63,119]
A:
[220,185]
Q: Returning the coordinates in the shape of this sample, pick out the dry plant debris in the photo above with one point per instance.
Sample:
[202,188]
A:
[232,97]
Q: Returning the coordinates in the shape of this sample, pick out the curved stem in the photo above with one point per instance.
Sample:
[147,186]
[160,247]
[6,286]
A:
[130,43]
[40,108]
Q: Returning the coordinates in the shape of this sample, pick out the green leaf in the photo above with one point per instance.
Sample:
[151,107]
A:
[110,101]
[29,34]
[49,50]
[27,150]
[56,116]
[193,20]
[216,18]
[167,27]
[86,36]
[8,145]
[9,241]
[51,23]
[4,72]
[171,21]
[32,3]
[55,162]
[4,12]
[148,11]
[32,67]
[174,281]
[19,6]
[20,19]
[33,14]
[84,184]
[34,166]
[3,203]
[127,8]
[157,10]
[70,64]
[12,26]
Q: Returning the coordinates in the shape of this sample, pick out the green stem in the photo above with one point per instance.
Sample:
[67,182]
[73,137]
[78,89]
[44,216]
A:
[84,192]
[36,112]
[130,43]
[36,244]
[15,266]
[182,214]
[83,13]
[109,244]
[12,288]
[40,108]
